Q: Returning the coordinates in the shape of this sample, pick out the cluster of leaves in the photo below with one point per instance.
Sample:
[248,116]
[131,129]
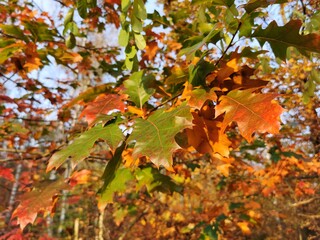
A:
[168,115]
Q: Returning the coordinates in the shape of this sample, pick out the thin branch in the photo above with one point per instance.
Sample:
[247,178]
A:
[309,216]
[133,223]
[297,204]
[230,44]
[163,103]
[305,177]
[304,10]
[58,1]
[32,120]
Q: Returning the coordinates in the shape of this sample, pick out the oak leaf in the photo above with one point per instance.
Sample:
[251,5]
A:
[103,104]
[206,137]
[196,97]
[280,38]
[251,111]
[137,89]
[41,198]
[80,148]
[154,136]
[118,184]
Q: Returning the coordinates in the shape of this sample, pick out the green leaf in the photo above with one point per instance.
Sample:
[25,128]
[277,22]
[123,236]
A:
[136,24]
[154,136]
[189,51]
[136,88]
[198,72]
[123,37]
[69,17]
[254,4]
[140,42]
[112,166]
[280,38]
[92,3]
[227,3]
[73,28]
[9,51]
[130,51]
[310,85]
[82,8]
[118,184]
[13,31]
[40,31]
[71,41]
[139,9]
[125,4]
[155,181]
[80,148]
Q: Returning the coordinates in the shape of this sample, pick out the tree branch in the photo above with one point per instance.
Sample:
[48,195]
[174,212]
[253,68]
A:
[297,204]
[230,44]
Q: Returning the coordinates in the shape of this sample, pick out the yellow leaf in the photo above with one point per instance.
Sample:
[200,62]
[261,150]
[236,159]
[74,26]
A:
[136,110]
[244,227]
[32,64]
[71,57]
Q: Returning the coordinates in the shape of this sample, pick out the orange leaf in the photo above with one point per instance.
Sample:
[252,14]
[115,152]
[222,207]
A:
[103,104]
[151,50]
[206,137]
[252,112]
[41,198]
[224,169]
[197,97]
[81,177]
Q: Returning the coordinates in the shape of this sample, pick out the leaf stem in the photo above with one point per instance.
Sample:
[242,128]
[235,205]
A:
[230,44]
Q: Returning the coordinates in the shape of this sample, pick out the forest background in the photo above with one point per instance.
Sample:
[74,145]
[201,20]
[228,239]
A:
[195,120]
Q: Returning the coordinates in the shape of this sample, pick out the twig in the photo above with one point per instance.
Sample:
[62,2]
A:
[305,177]
[304,10]
[16,151]
[309,216]
[297,204]
[31,120]
[165,102]
[133,223]
[230,44]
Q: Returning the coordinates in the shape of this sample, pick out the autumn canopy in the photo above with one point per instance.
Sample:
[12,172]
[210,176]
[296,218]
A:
[159,119]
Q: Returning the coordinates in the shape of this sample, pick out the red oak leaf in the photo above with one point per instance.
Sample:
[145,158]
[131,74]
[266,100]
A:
[103,104]
[251,111]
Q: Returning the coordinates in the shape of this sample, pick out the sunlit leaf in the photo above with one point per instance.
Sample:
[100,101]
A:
[137,89]
[253,112]
[80,148]
[154,137]
[103,104]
